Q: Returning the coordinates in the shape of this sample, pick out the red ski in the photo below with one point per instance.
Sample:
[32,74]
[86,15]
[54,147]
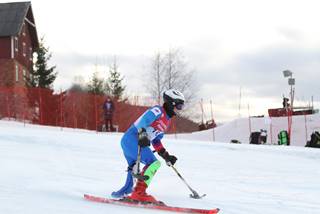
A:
[149,206]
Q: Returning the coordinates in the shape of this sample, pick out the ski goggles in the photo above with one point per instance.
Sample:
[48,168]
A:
[179,106]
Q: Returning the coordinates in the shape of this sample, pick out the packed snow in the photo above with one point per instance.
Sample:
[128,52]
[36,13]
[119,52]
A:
[240,129]
[48,169]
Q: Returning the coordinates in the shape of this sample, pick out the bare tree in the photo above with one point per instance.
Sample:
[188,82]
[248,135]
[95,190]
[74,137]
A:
[155,83]
[177,74]
[170,70]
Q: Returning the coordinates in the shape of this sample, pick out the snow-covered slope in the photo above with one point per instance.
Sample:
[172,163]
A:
[302,127]
[47,170]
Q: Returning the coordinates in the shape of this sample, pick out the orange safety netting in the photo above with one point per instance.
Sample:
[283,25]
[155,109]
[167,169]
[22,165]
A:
[65,109]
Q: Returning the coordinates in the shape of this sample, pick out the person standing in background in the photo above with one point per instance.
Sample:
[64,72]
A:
[108,108]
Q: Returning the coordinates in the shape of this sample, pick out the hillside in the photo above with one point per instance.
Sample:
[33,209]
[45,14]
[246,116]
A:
[302,127]
[47,170]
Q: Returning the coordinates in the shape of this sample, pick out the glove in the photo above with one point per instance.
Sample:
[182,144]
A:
[170,159]
[143,139]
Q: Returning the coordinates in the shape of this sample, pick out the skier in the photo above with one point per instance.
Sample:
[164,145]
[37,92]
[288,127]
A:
[148,129]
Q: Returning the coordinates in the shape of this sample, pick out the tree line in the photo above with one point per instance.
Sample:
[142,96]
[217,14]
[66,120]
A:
[166,70]
[112,85]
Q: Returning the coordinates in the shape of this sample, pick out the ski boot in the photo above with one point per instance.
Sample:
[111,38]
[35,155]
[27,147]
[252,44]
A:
[139,194]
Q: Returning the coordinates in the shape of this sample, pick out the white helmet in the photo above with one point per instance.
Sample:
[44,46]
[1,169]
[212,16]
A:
[174,97]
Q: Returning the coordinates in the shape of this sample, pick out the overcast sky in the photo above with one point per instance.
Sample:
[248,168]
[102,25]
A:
[231,44]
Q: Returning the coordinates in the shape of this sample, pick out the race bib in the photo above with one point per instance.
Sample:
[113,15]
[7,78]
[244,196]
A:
[153,133]
[156,111]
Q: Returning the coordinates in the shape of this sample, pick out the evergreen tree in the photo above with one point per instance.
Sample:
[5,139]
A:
[41,75]
[114,82]
[96,85]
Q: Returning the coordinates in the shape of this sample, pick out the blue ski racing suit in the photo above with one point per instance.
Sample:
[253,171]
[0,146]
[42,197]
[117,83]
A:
[155,121]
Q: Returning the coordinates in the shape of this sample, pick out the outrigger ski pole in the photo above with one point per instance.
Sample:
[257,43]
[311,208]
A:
[194,194]
[137,174]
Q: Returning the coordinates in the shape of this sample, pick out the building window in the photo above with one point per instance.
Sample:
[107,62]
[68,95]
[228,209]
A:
[17,73]
[24,49]
[30,54]
[16,44]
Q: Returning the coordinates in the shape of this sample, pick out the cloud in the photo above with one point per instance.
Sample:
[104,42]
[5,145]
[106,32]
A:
[261,71]
[290,34]
[258,73]
[70,65]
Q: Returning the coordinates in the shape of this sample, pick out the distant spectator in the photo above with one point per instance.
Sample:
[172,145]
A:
[263,136]
[108,108]
[285,103]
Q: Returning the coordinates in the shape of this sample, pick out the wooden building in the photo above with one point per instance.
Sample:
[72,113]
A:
[18,41]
